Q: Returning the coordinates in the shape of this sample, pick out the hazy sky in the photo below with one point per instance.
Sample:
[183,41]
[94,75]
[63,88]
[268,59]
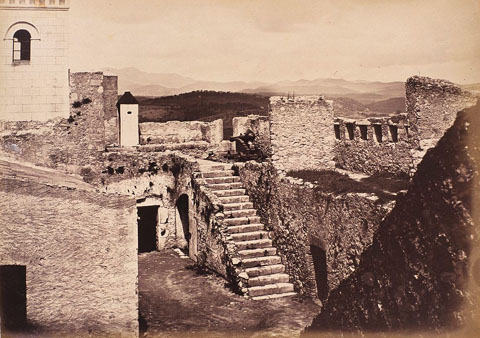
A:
[272,40]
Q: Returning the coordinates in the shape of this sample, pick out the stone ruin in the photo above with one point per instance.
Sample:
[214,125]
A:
[70,192]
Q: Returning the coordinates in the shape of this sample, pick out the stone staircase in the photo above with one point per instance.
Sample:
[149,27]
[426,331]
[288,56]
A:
[258,260]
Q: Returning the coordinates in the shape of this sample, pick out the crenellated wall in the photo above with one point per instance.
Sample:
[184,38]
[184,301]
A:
[374,145]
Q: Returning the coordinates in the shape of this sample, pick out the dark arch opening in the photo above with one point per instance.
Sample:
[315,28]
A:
[21,45]
[182,207]
[319,258]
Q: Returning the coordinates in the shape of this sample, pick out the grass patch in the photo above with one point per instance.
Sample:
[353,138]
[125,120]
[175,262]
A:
[383,185]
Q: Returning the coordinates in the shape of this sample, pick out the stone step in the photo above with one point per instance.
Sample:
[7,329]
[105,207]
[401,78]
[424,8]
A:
[254,244]
[251,253]
[270,289]
[268,279]
[275,296]
[225,186]
[212,174]
[234,199]
[215,167]
[239,213]
[261,261]
[265,270]
[242,220]
[230,192]
[237,206]
[236,229]
[218,180]
[249,236]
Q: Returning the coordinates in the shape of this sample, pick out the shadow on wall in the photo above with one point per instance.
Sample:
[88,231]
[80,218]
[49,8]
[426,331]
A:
[182,218]
[415,274]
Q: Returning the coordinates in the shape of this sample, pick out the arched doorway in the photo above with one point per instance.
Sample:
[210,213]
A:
[183,223]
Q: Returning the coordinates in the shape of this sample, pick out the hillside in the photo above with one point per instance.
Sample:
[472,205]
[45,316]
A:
[202,106]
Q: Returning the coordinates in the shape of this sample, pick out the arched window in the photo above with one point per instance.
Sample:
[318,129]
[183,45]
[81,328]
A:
[21,45]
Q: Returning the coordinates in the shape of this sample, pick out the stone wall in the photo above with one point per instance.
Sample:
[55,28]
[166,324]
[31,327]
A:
[36,89]
[421,272]
[80,252]
[72,143]
[110,98]
[301,133]
[374,145]
[181,132]
[153,179]
[260,126]
[432,107]
[299,215]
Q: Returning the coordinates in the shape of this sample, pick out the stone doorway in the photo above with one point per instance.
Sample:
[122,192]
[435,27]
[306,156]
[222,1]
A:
[319,258]
[147,228]
[13,297]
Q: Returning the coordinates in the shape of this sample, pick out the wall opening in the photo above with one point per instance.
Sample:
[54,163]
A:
[21,45]
[182,213]
[378,132]
[350,130]
[336,127]
[363,132]
[147,228]
[13,297]
[394,133]
[319,258]
[407,132]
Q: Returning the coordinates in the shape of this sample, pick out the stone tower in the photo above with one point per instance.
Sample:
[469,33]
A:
[33,59]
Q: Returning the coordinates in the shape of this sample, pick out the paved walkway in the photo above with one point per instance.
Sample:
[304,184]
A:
[178,300]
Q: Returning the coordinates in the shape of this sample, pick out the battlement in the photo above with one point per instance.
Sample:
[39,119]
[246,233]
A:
[378,129]
[35,4]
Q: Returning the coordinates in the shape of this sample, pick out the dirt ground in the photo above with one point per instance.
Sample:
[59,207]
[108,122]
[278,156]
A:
[178,300]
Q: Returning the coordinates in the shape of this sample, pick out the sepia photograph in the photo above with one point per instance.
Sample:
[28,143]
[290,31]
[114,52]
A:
[239,168]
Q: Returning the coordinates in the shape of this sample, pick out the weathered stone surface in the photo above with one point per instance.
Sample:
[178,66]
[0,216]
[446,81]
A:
[301,132]
[299,216]
[416,273]
[79,248]
[68,144]
[260,126]
[363,151]
[181,132]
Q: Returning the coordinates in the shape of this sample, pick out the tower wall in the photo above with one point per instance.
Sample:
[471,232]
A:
[36,89]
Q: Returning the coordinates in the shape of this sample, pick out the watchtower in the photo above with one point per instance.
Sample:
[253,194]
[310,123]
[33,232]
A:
[33,59]
[128,112]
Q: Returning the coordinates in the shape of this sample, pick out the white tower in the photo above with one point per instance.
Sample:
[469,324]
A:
[128,110]
[33,59]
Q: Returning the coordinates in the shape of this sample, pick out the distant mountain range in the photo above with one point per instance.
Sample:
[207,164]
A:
[156,84]
[164,84]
